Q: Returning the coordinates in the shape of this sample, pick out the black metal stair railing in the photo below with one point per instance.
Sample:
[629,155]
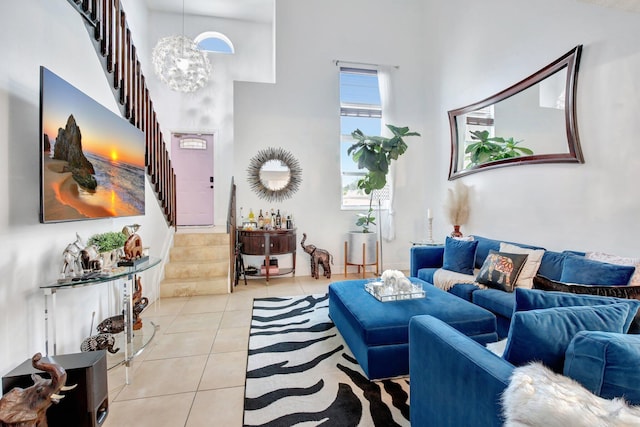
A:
[107,25]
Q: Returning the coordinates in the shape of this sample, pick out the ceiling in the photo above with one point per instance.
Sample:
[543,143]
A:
[263,10]
[247,10]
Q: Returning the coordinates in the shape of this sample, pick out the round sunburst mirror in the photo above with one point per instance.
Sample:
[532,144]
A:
[274,174]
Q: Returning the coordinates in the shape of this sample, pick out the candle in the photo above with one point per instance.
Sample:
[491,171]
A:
[429,215]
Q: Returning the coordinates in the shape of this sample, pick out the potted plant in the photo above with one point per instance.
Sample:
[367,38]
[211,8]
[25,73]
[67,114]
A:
[375,154]
[109,246]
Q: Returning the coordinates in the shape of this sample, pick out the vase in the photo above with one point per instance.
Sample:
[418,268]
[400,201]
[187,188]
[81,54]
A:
[354,252]
[456,231]
[110,258]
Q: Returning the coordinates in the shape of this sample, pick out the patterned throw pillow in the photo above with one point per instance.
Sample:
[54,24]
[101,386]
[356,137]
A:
[530,268]
[628,292]
[500,270]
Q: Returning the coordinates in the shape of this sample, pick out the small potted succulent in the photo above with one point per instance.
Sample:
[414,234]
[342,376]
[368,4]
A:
[110,246]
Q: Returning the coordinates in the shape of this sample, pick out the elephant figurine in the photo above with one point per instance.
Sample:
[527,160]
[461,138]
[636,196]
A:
[133,247]
[72,259]
[99,342]
[139,304]
[111,325]
[133,244]
[318,257]
[28,407]
[90,258]
[137,309]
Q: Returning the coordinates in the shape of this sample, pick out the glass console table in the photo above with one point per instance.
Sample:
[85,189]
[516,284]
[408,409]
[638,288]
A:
[131,342]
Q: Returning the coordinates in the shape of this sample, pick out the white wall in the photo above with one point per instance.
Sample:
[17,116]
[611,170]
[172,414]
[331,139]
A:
[301,113]
[210,109]
[52,34]
[480,48]
[452,54]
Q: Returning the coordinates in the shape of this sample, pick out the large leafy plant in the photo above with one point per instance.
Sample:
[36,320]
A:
[375,154]
[484,149]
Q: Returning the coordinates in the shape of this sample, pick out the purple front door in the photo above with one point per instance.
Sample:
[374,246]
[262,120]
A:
[192,158]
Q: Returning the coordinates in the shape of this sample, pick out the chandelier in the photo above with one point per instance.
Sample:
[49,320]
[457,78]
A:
[179,63]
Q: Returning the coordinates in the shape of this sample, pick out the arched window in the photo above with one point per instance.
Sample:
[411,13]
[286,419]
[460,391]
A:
[212,41]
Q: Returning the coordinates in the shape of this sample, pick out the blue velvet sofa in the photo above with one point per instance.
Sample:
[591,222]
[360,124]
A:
[456,381]
[425,260]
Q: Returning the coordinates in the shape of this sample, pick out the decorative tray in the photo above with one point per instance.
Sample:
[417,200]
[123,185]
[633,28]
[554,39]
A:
[384,294]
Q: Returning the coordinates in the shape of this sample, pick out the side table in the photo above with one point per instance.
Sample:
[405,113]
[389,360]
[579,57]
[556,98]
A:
[132,347]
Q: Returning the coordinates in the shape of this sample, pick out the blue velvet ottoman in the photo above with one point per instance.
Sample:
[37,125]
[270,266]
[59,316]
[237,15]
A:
[378,332]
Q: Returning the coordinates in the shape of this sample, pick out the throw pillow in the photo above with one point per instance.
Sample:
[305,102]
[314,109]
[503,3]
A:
[532,299]
[579,269]
[459,255]
[500,270]
[618,260]
[545,334]
[629,292]
[530,268]
[606,364]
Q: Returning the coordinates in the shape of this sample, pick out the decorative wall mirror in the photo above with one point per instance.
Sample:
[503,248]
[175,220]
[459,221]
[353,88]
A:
[274,174]
[533,121]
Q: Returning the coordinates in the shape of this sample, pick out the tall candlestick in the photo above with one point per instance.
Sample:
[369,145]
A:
[430,239]
[429,215]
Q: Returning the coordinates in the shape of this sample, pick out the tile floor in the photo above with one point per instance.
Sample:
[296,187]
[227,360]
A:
[193,372]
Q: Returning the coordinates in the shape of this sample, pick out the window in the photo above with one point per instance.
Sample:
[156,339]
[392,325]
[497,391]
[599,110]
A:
[478,120]
[360,108]
[212,41]
[193,143]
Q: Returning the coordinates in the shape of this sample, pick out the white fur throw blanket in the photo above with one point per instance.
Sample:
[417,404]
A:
[537,396]
[445,279]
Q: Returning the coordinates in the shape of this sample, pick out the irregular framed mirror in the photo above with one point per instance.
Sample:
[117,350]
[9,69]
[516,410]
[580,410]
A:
[533,121]
[274,174]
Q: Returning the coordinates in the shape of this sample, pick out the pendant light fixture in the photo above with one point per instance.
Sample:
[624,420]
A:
[179,63]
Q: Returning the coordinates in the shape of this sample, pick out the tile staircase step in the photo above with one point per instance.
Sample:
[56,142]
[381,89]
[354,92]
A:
[201,239]
[190,287]
[193,270]
[198,265]
[199,253]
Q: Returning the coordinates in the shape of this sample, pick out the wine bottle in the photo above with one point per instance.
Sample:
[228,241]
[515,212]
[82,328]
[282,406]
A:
[278,220]
[260,220]
[267,219]
[252,217]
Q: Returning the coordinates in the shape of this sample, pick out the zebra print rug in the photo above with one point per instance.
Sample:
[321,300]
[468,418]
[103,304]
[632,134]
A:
[301,372]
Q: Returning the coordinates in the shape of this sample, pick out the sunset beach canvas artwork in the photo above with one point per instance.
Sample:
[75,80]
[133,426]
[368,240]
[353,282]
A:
[92,160]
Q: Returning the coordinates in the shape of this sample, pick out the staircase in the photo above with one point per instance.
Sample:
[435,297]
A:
[107,25]
[198,265]
[199,262]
